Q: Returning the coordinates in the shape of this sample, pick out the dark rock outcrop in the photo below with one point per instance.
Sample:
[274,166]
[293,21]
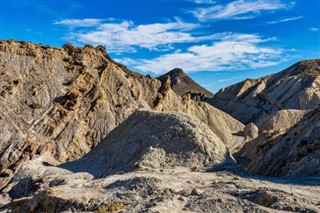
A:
[182,84]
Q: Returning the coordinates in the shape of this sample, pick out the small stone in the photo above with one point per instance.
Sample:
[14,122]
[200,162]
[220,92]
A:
[196,191]
[181,198]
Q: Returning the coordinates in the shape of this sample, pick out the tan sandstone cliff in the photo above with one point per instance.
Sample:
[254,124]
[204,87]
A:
[66,100]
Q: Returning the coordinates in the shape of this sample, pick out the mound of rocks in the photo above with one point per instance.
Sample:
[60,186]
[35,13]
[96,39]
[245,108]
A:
[155,140]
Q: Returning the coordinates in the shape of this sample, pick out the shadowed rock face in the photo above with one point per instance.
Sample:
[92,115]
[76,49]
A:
[291,152]
[154,140]
[252,100]
[287,145]
[279,104]
[64,101]
[275,125]
[182,84]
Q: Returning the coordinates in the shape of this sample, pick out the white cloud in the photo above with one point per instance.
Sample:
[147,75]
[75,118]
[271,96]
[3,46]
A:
[239,9]
[29,30]
[127,61]
[233,52]
[314,29]
[74,23]
[203,1]
[125,36]
[206,52]
[228,79]
[285,20]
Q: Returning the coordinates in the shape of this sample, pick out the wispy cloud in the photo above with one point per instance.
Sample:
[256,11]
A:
[285,20]
[228,79]
[314,29]
[75,23]
[203,1]
[239,9]
[125,36]
[232,52]
[29,30]
[199,52]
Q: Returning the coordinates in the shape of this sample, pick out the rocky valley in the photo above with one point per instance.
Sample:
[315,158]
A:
[80,132]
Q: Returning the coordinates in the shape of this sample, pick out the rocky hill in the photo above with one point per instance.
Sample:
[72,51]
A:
[291,151]
[156,162]
[80,132]
[182,84]
[276,124]
[66,100]
[252,100]
[157,141]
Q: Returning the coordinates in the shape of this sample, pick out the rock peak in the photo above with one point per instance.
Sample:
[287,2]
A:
[182,84]
[176,72]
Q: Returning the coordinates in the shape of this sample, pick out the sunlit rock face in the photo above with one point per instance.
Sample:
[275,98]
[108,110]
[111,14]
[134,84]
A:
[253,100]
[80,132]
[64,101]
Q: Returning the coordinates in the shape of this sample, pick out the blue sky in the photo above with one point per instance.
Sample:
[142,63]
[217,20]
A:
[217,42]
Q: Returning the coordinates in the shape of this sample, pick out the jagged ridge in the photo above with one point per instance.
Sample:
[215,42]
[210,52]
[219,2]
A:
[253,100]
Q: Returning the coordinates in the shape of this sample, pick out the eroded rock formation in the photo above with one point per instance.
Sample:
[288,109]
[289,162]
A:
[155,162]
[62,104]
[253,100]
[287,152]
[154,140]
[66,100]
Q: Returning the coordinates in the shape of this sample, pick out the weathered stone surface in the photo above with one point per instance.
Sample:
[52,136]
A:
[294,152]
[66,100]
[251,131]
[282,120]
[164,190]
[155,161]
[253,100]
[273,127]
[154,140]
[57,104]
[222,124]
